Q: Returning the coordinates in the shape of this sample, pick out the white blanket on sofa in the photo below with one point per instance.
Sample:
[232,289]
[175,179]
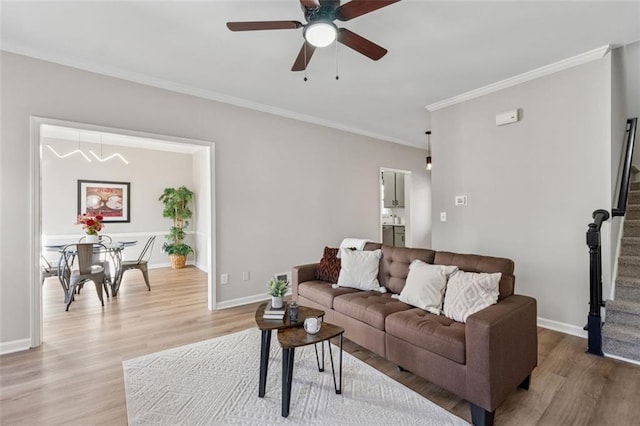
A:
[357,243]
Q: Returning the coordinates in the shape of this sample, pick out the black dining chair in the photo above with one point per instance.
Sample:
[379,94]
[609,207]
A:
[77,267]
[141,263]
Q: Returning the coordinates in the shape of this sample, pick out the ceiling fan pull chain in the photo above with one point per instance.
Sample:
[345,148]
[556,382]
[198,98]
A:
[305,61]
[336,43]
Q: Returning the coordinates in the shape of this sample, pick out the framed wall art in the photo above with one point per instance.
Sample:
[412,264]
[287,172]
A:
[110,199]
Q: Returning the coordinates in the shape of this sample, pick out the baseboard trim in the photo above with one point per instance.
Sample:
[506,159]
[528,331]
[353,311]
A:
[562,327]
[619,358]
[168,265]
[15,346]
[244,301]
[241,301]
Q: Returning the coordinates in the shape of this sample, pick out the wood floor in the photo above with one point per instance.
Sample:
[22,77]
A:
[75,377]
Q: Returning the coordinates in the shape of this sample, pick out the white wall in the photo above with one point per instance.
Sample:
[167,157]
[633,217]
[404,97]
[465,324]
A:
[531,185]
[284,188]
[631,61]
[201,220]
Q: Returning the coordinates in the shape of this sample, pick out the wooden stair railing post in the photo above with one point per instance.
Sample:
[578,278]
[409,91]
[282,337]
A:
[594,320]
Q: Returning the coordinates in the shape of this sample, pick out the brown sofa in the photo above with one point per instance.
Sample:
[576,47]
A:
[482,360]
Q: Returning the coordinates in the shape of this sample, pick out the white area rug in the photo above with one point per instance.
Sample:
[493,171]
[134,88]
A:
[215,382]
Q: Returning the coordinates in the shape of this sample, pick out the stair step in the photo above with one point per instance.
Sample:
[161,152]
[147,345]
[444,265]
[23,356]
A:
[628,289]
[630,246]
[628,281]
[632,212]
[621,340]
[632,228]
[623,312]
[629,266]
[635,186]
[634,197]
[623,306]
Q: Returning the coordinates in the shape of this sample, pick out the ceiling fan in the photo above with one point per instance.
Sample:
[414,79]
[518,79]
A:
[320,31]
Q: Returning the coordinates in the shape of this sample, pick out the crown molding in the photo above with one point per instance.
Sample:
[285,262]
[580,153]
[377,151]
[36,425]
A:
[199,93]
[589,56]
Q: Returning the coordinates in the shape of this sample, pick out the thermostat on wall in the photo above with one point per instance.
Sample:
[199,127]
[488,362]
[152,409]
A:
[507,117]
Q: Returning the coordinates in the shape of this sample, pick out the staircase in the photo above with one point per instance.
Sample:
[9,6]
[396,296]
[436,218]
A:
[621,331]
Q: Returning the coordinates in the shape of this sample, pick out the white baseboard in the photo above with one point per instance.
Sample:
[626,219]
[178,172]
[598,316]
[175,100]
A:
[202,267]
[168,265]
[631,361]
[244,301]
[562,327]
[15,346]
[241,301]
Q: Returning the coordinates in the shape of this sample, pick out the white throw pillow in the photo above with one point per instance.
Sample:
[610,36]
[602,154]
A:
[425,285]
[359,269]
[470,292]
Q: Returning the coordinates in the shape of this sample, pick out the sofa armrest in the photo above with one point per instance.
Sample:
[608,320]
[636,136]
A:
[300,274]
[501,349]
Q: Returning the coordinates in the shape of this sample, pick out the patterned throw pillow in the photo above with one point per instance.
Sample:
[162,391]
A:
[470,292]
[329,268]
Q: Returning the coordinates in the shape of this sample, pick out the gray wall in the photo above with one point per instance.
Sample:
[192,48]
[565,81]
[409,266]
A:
[531,185]
[284,188]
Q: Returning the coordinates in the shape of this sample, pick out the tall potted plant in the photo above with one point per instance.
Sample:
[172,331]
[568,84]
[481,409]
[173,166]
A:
[176,208]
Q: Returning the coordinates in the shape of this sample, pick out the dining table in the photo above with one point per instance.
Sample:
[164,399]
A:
[113,250]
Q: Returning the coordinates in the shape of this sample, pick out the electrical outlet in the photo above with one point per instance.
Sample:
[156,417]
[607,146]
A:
[245,276]
[224,279]
[460,200]
[443,216]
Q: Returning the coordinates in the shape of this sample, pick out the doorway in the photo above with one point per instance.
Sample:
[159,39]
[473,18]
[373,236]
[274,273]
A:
[55,140]
[395,207]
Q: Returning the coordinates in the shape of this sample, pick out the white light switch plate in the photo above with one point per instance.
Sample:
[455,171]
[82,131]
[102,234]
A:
[443,216]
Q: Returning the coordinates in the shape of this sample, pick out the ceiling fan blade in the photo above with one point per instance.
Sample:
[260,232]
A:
[303,57]
[356,8]
[361,44]
[263,25]
[310,4]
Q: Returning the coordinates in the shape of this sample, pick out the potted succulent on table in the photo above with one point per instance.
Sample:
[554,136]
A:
[176,207]
[277,290]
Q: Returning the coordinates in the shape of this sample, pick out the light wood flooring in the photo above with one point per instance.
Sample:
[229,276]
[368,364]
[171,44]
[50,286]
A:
[75,377]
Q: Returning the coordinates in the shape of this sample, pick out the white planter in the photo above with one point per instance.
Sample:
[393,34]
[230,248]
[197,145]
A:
[92,239]
[276,302]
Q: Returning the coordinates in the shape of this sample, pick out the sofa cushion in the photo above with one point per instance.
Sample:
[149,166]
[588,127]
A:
[477,263]
[329,267]
[394,265]
[368,307]
[359,269]
[322,292]
[434,333]
[425,285]
[470,292]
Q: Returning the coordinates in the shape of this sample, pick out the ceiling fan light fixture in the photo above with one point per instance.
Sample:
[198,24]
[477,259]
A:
[320,34]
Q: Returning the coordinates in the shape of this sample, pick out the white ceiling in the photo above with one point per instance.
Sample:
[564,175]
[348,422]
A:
[437,50]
